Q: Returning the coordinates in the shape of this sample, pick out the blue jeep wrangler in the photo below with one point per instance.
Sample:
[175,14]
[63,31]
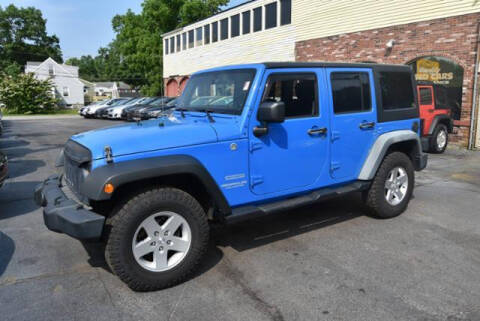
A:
[243,141]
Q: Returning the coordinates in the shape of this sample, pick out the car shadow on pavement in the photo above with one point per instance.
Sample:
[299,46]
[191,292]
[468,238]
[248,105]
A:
[16,198]
[268,229]
[96,253]
[7,247]
[258,232]
[12,143]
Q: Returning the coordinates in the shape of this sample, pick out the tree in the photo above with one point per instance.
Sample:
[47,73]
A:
[24,94]
[135,55]
[23,37]
[138,37]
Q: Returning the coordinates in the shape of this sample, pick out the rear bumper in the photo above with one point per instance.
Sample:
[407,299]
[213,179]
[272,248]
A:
[64,215]
[425,143]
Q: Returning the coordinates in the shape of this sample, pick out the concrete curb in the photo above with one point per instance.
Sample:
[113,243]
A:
[37,117]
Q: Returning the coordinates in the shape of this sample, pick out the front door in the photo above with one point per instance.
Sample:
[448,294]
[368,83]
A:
[353,120]
[293,154]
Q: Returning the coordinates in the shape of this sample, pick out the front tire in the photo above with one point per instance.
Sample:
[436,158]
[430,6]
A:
[439,139]
[392,187]
[157,239]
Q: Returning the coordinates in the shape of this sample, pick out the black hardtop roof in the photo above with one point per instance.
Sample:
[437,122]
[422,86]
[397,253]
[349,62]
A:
[274,65]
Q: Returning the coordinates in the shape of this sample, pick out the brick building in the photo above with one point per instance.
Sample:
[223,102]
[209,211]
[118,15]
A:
[439,39]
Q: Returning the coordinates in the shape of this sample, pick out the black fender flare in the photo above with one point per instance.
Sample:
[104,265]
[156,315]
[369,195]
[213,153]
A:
[441,119]
[125,172]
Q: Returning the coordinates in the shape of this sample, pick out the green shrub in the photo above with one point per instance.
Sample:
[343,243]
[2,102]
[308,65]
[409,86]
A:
[24,94]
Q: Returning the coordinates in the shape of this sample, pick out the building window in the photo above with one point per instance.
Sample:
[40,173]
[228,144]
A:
[397,90]
[235,26]
[179,43]
[224,29]
[257,19]
[190,39]
[206,36]
[165,49]
[184,41]
[285,12]
[66,92]
[199,37]
[271,15]
[215,31]
[350,92]
[51,71]
[172,45]
[297,91]
[246,22]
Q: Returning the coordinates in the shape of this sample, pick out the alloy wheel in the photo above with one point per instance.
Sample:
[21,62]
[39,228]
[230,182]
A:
[161,241]
[396,186]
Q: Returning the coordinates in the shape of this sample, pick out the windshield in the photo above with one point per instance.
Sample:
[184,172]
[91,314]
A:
[217,91]
[118,102]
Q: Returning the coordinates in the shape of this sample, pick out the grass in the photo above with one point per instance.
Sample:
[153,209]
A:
[55,112]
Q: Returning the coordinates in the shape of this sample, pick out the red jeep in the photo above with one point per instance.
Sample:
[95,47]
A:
[435,119]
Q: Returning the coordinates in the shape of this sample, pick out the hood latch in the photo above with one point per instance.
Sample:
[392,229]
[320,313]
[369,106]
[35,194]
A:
[108,154]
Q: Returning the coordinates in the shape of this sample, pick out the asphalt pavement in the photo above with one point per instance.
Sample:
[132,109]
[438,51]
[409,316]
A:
[323,262]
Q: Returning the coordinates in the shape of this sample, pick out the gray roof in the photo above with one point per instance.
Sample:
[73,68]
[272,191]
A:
[104,84]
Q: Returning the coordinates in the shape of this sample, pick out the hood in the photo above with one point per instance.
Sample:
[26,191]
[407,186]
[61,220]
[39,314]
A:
[148,135]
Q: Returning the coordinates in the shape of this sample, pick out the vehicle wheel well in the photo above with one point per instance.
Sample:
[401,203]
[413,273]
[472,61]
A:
[447,123]
[189,183]
[408,147]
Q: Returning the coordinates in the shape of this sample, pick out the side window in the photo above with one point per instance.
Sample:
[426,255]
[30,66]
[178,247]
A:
[172,45]
[184,41]
[298,92]
[190,39]
[397,90]
[179,48]
[350,92]
[215,31]
[206,31]
[425,96]
[224,29]
[257,19]
[235,25]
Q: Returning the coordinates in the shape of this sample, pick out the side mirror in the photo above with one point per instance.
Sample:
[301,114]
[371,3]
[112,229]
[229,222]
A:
[271,112]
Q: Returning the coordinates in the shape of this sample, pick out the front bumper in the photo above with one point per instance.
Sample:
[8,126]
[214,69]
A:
[64,215]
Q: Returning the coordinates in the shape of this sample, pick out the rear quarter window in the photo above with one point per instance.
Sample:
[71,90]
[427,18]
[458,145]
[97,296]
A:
[396,90]
[425,96]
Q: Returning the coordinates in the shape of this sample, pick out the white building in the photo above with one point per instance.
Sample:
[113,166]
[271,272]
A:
[114,89]
[437,38]
[67,86]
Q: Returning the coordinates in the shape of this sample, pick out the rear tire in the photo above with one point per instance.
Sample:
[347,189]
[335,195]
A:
[392,187]
[439,139]
[166,224]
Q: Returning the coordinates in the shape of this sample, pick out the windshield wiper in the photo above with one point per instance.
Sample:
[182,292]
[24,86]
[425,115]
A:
[208,113]
[181,110]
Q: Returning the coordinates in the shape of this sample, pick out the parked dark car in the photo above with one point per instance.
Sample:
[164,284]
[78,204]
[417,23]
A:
[134,113]
[3,168]
[103,112]
[143,102]
[155,112]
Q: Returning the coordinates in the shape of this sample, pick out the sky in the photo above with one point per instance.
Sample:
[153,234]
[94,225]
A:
[82,26]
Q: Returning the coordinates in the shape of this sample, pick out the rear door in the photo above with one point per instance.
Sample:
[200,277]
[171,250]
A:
[427,106]
[353,120]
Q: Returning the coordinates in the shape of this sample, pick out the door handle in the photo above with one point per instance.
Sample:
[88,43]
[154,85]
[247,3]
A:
[315,131]
[367,125]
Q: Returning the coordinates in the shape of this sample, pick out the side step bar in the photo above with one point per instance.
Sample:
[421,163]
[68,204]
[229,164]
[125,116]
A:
[254,211]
